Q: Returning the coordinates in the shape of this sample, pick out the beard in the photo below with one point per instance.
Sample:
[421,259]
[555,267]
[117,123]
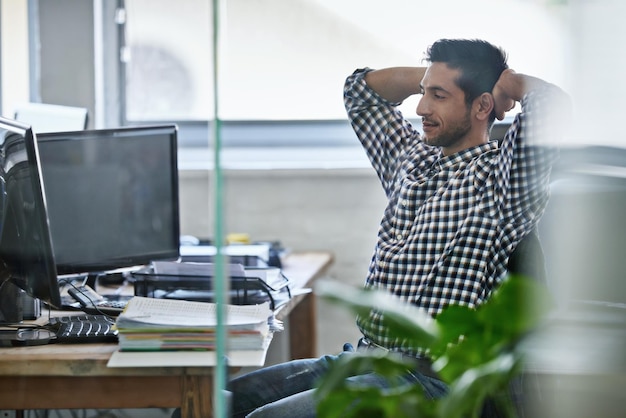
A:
[453,134]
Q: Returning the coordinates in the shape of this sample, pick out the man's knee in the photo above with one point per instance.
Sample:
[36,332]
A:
[301,405]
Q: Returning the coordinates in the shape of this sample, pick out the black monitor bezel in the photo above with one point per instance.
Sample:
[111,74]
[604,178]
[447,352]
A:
[40,281]
[135,260]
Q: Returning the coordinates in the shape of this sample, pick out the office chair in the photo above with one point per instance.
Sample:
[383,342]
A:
[528,258]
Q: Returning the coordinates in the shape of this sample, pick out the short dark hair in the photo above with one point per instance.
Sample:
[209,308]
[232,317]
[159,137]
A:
[480,62]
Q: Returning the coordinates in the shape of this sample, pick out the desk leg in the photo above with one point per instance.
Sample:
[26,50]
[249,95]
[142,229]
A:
[197,396]
[303,333]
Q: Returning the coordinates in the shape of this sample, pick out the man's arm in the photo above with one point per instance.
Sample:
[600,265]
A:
[397,83]
[370,98]
[511,88]
[528,149]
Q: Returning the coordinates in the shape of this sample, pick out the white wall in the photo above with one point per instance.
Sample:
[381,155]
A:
[14,60]
[336,210]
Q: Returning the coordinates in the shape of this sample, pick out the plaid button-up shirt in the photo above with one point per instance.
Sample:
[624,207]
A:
[451,221]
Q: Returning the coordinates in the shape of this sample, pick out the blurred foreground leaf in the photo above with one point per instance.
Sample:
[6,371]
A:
[474,351]
[414,325]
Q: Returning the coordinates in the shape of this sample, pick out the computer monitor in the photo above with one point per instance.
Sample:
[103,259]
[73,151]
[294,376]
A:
[26,252]
[112,197]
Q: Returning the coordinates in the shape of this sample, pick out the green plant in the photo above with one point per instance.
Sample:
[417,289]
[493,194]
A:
[475,352]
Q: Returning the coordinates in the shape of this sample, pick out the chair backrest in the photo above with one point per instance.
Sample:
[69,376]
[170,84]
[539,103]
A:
[528,258]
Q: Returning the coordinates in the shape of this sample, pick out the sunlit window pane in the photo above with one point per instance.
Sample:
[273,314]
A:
[287,59]
[168,60]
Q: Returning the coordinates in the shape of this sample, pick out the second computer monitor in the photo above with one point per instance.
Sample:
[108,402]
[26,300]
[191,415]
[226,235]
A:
[112,197]
[26,253]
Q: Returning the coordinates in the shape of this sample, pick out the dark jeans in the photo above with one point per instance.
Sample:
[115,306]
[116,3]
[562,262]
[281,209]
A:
[286,390]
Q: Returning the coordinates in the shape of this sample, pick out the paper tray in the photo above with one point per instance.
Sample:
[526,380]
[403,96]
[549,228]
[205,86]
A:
[194,281]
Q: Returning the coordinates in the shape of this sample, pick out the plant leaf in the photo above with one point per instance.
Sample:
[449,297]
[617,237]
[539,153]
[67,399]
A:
[403,320]
[517,306]
[337,396]
[470,390]
[474,351]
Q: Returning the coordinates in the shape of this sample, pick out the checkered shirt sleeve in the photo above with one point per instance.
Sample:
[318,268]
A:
[451,221]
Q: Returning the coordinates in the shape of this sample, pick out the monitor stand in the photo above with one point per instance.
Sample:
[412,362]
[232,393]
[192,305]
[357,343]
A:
[15,304]
[91,279]
[11,303]
[104,278]
[25,337]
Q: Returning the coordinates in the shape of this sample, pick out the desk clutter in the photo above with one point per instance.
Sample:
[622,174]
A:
[178,333]
[149,324]
[248,284]
[173,308]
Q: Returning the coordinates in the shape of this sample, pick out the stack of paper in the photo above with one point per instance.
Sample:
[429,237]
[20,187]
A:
[149,324]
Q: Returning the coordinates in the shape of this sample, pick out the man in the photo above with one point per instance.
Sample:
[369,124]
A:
[458,203]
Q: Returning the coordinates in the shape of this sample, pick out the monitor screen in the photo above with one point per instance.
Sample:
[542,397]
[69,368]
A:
[112,197]
[26,253]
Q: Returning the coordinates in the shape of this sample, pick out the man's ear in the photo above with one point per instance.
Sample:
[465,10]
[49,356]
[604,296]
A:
[484,106]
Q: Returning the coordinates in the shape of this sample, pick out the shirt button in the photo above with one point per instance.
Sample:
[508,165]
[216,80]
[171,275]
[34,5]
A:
[399,237]
[404,203]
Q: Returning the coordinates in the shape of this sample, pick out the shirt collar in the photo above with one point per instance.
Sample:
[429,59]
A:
[466,154]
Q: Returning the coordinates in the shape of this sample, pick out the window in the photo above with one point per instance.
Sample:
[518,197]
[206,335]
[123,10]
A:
[285,61]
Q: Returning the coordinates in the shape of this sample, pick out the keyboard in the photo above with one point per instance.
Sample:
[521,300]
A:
[83,329]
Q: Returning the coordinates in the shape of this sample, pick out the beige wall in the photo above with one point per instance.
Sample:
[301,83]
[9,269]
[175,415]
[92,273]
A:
[336,210]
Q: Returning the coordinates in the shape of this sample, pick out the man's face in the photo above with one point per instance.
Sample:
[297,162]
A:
[445,116]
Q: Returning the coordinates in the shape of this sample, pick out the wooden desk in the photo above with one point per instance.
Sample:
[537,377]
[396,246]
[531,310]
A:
[302,269]
[63,376]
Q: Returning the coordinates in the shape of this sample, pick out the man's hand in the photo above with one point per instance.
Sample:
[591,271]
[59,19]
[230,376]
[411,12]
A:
[511,88]
[503,93]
